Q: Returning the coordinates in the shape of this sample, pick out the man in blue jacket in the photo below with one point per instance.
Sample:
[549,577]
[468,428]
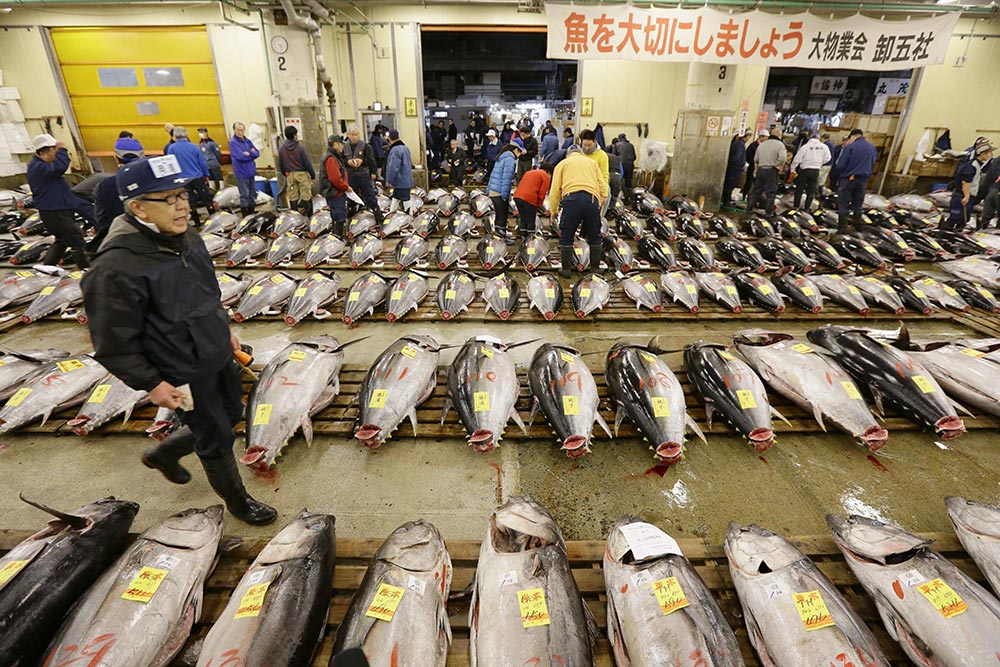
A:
[855,166]
[243,153]
[399,171]
[499,186]
[54,200]
[194,168]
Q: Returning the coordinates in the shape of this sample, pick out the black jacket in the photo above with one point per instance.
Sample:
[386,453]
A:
[530,150]
[107,204]
[153,307]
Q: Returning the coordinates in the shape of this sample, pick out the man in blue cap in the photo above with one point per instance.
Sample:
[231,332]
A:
[156,322]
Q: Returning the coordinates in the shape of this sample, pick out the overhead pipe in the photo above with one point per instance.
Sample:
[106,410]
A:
[309,24]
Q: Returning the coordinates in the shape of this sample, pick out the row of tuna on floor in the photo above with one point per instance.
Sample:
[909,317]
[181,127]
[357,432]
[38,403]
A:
[829,377]
[74,592]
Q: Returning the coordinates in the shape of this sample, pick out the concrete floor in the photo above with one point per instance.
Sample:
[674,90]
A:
[789,489]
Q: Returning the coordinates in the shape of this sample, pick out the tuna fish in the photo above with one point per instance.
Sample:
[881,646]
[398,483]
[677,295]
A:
[821,251]
[326,247]
[405,294]
[413,562]
[481,205]
[17,367]
[534,252]
[227,198]
[139,613]
[758,290]
[526,608]
[245,248]
[310,296]
[266,295]
[692,226]
[276,615]
[384,202]
[56,385]
[216,244]
[887,242]
[411,250]
[590,293]
[426,223]
[723,225]
[483,389]
[545,295]
[30,226]
[366,248]
[565,391]
[935,611]
[840,291]
[320,223]
[31,251]
[454,293]
[788,229]
[461,195]
[581,253]
[618,254]
[646,202]
[924,245]
[48,572]
[283,249]
[719,287]
[912,202]
[450,249]
[434,194]
[298,382]
[681,288]
[697,253]
[784,253]
[911,295]
[61,296]
[492,251]
[662,227]
[644,291]
[977,295]
[978,528]
[812,381]
[974,269]
[943,296]
[964,373]
[403,377]
[394,224]
[462,224]
[658,252]
[740,252]
[630,226]
[802,291]
[367,293]
[989,239]
[891,375]
[109,398]
[759,227]
[289,222]
[794,615]
[502,294]
[447,205]
[21,286]
[362,223]
[960,243]
[859,252]
[233,286]
[804,219]
[650,394]
[878,293]
[259,224]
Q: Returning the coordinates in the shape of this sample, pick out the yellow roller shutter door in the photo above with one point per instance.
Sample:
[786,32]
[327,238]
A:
[137,79]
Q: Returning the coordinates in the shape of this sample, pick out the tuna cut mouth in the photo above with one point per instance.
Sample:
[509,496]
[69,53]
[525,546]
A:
[899,311]
[864,312]
[290,321]
[445,315]
[504,314]
[581,314]
[391,317]
[762,439]
[737,309]
[78,425]
[482,441]
[348,320]
[229,263]
[875,437]
[442,265]
[816,309]
[549,315]
[694,310]
[575,446]
[238,317]
[657,308]
[369,435]
[950,427]
[255,458]
[669,452]
[25,319]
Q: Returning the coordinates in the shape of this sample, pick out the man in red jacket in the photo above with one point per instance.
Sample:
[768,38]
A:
[333,182]
[530,196]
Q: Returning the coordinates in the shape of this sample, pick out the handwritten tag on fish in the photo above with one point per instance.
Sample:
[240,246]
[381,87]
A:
[531,251]
[18,397]
[481,401]
[262,415]
[8,571]
[661,407]
[851,389]
[534,611]
[975,354]
[99,394]
[509,578]
[314,247]
[449,294]
[567,357]
[691,289]
[802,348]
[731,290]
[446,249]
[923,383]
[765,289]
[986,293]
[746,399]
[584,292]
[408,352]
[812,610]
[297,355]
[646,540]
[550,293]
[48,290]
[252,601]
[571,405]
[504,293]
[951,291]
[70,365]
[301,291]
[404,251]
[396,295]
[277,279]
[353,296]
[256,289]
[808,291]
[386,601]
[650,287]
[853,290]
[944,599]
[25,274]
[145,584]
[378,398]
[670,595]
[418,586]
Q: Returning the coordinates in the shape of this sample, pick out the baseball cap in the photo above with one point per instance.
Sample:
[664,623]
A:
[983,148]
[393,135]
[128,146]
[491,133]
[43,141]
[203,129]
[575,148]
[150,174]
[763,133]
[517,142]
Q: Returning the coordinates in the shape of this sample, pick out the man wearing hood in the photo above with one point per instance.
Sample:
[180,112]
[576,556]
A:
[399,171]
[294,163]
[499,186]
[550,144]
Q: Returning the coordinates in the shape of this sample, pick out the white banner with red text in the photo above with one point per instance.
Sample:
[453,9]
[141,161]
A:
[624,32]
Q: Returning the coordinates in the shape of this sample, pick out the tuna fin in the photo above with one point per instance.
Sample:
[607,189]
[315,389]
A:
[961,408]
[593,630]
[694,428]
[412,415]
[446,408]
[75,522]
[879,408]
[818,415]
[307,429]
[604,425]
[444,626]
[782,417]
[619,416]
[128,414]
[615,636]
[709,409]
[45,416]
[534,411]
[517,420]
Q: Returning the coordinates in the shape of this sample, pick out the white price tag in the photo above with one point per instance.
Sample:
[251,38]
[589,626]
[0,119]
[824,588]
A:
[646,540]
[509,578]
[418,586]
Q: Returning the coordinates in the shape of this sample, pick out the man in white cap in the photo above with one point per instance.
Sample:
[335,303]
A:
[492,149]
[54,200]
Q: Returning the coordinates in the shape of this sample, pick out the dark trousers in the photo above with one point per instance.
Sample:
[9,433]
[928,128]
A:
[580,208]
[248,195]
[501,207]
[62,225]
[765,187]
[990,205]
[198,195]
[748,182]
[959,213]
[523,166]
[361,183]
[807,181]
[218,407]
[528,214]
[614,189]
[215,173]
[851,198]
[338,208]
[629,169]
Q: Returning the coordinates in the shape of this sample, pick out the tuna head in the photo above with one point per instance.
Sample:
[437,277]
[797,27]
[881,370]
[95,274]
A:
[303,536]
[977,518]
[869,539]
[416,546]
[756,551]
[522,524]
[191,528]
[760,337]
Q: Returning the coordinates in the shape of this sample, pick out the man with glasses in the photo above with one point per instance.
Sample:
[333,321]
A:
[156,322]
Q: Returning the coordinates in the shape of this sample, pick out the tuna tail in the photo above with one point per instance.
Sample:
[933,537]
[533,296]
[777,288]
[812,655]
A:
[74,522]
[412,415]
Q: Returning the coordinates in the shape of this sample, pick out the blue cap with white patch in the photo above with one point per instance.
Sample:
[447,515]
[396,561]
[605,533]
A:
[151,174]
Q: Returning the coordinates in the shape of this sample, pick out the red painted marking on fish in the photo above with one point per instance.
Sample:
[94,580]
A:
[95,650]
[394,658]
[625,588]
[660,378]
[572,376]
[877,463]
[897,589]
[230,658]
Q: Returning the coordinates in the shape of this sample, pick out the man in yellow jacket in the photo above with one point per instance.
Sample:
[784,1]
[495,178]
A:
[579,190]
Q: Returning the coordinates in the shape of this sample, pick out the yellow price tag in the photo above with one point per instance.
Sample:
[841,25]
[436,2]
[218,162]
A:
[48,290]
[703,250]
[802,348]
[255,290]
[252,601]
[578,251]
[69,365]
[8,571]
[446,249]
[691,289]
[923,383]
[901,244]
[808,291]
[975,354]
[571,405]
[730,289]
[584,292]
[812,610]
[99,394]
[747,401]
[408,352]
[144,585]
[661,407]
[504,293]
[397,294]
[648,357]
[550,293]
[489,250]
[225,278]
[262,415]
[534,611]
[853,290]
[851,389]
[449,294]
[944,599]
[378,398]
[669,594]
[765,289]
[919,293]
[275,248]
[796,251]
[18,397]
[567,357]
[650,287]
[951,291]
[930,282]
[531,251]
[300,292]
[314,247]
[277,279]
[463,279]
[25,274]
[487,352]
[297,355]
[888,288]
[481,401]
[986,293]
[404,251]
[725,355]
[353,296]
[869,248]
[385,602]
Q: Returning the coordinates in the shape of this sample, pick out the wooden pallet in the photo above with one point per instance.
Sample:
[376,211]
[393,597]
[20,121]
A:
[338,419]
[353,556]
